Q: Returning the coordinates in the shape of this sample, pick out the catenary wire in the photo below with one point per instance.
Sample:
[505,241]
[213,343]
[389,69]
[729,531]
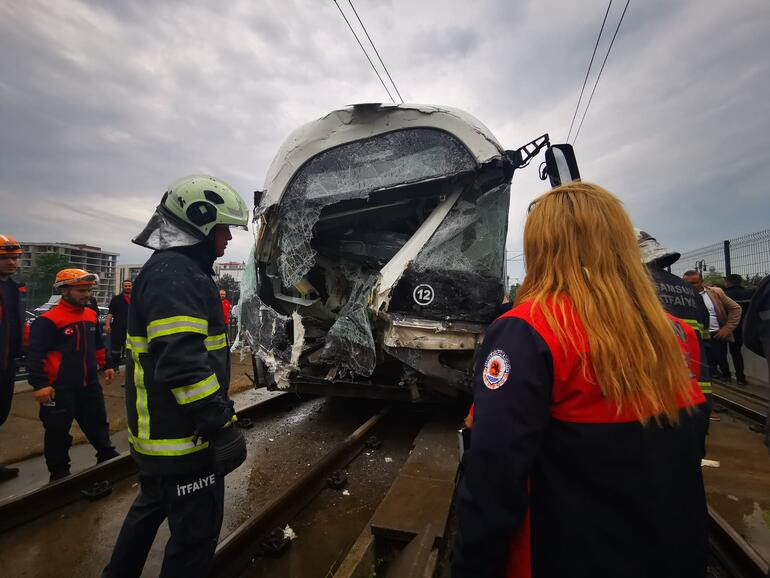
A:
[377,52]
[577,106]
[364,51]
[574,140]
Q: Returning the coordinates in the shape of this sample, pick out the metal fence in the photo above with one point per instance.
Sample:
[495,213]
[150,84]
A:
[748,256]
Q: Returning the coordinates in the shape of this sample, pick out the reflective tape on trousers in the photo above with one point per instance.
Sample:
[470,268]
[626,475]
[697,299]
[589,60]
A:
[166,447]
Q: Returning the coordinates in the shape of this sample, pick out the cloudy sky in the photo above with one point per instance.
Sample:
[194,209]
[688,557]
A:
[103,103]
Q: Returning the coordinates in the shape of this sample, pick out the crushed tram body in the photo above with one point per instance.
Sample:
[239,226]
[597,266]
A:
[380,253]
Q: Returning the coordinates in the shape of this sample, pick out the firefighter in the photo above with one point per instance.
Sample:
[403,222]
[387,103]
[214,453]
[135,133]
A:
[678,298]
[180,418]
[12,325]
[65,354]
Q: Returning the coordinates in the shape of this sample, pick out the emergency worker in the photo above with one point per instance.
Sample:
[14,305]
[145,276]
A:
[678,298]
[756,332]
[588,420]
[180,418]
[65,354]
[12,328]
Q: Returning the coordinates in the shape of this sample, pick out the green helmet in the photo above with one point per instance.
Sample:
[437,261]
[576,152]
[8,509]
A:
[205,202]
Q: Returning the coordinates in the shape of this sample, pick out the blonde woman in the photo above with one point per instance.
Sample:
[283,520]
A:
[588,419]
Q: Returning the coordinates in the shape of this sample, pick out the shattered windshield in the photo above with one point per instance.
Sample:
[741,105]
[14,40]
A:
[461,268]
[352,171]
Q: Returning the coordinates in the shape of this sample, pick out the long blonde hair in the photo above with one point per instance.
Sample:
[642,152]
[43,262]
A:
[579,243]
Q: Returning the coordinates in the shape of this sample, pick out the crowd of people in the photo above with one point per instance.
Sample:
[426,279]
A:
[590,395]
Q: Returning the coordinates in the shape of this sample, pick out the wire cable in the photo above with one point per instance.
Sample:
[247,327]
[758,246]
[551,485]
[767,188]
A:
[364,51]
[600,72]
[577,106]
[376,51]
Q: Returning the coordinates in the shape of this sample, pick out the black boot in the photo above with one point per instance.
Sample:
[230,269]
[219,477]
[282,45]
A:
[58,475]
[8,473]
[106,456]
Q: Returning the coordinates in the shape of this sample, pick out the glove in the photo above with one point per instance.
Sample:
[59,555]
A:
[229,448]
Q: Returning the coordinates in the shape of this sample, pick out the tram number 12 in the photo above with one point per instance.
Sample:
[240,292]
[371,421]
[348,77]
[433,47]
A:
[423,294]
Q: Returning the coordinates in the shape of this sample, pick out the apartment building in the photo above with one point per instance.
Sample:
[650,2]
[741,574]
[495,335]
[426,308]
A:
[92,259]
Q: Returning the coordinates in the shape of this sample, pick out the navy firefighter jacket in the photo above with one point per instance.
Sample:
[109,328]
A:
[558,482]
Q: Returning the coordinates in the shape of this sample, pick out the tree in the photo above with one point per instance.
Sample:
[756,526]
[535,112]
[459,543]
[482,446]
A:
[41,275]
[233,288]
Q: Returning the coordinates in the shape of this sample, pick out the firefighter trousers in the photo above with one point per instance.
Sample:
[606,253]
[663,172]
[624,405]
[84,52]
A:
[193,504]
[86,406]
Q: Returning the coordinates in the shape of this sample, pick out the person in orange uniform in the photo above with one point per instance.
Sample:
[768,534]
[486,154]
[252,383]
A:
[65,354]
[12,330]
[588,420]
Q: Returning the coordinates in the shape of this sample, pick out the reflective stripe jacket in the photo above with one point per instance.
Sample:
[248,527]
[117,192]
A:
[680,299]
[65,348]
[558,482]
[178,372]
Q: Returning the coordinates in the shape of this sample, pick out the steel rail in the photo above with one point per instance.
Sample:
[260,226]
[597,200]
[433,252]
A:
[234,553]
[737,557]
[748,412]
[18,510]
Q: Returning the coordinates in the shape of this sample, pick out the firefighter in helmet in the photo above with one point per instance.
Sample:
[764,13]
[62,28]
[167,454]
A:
[181,421]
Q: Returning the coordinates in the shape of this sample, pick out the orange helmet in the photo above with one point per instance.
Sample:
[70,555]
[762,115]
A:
[9,246]
[74,277]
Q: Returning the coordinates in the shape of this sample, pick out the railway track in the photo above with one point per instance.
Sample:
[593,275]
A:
[404,537]
[93,481]
[277,488]
[741,402]
[736,557]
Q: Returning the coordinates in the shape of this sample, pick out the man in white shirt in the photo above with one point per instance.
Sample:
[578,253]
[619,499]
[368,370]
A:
[724,316]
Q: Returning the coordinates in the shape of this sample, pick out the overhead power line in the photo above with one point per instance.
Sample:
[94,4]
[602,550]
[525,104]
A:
[577,106]
[600,72]
[364,51]
[376,51]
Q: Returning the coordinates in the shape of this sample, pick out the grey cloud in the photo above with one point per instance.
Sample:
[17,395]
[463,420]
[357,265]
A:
[104,103]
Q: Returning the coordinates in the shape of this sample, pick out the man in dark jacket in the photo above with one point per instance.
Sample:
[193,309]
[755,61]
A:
[117,320]
[12,323]
[65,354]
[734,290]
[180,418]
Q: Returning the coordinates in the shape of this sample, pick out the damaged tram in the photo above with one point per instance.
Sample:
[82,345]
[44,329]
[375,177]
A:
[380,253]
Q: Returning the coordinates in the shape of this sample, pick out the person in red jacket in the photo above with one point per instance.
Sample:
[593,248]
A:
[588,420]
[65,354]
[226,306]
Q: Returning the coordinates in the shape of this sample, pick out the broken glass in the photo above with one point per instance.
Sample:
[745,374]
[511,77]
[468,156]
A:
[350,343]
[266,331]
[461,268]
[352,171]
